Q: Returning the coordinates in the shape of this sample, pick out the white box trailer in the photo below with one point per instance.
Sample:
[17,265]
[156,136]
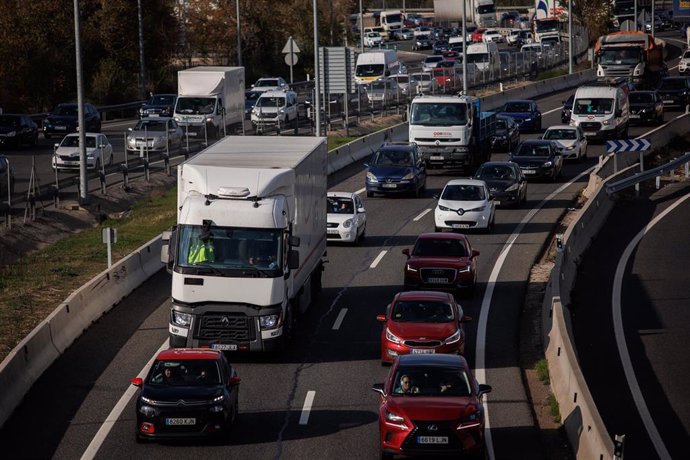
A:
[210,99]
[250,241]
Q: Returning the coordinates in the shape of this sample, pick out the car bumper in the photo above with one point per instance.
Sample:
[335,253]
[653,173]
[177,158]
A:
[401,440]
[506,198]
[499,144]
[206,424]
[526,126]
[469,220]
[642,117]
[390,350]
[537,173]
[346,235]
[672,100]
[59,131]
[391,188]
[70,164]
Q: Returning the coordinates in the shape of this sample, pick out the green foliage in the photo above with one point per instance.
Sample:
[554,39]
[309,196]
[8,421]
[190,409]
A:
[542,368]
[554,408]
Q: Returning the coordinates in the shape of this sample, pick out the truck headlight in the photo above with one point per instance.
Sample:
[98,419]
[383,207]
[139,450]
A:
[371,177]
[181,319]
[177,119]
[269,321]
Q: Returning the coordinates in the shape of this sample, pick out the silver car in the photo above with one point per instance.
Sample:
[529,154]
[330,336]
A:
[426,82]
[407,85]
[99,152]
[154,135]
[383,90]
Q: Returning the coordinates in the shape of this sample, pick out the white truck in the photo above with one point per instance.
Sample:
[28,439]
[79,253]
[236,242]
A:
[481,13]
[209,100]
[391,20]
[250,241]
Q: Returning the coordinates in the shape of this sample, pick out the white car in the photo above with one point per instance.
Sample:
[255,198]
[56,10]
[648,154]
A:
[427,83]
[383,90]
[465,204]
[492,35]
[571,140]
[430,62]
[346,218]
[99,152]
[684,63]
[512,36]
[408,85]
[154,135]
[270,84]
[372,39]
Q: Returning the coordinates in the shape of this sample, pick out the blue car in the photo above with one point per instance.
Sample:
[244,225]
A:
[524,112]
[396,168]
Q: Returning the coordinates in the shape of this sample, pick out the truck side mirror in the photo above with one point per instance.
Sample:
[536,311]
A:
[294,241]
[293,259]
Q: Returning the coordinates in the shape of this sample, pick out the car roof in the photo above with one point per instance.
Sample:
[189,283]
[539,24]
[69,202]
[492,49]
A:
[476,182]
[440,359]
[188,354]
[561,127]
[536,142]
[424,295]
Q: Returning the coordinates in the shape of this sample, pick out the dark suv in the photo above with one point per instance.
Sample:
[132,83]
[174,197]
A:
[675,91]
[16,130]
[64,119]
[158,105]
[396,167]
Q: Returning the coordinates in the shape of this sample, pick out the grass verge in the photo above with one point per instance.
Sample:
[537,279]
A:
[542,369]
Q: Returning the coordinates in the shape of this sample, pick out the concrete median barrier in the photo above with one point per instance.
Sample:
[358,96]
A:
[150,257]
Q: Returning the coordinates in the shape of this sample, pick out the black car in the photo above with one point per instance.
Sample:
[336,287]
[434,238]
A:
[567,109]
[64,119]
[506,182]
[675,91]
[6,174]
[645,107]
[396,168]
[538,159]
[441,46]
[16,130]
[187,393]
[158,105]
[507,135]
[421,42]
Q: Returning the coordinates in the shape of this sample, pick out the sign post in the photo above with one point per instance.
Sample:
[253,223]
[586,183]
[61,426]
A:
[290,51]
[109,237]
[631,145]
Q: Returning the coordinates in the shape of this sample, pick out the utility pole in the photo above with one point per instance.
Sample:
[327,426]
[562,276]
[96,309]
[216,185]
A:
[83,183]
[570,36]
[464,46]
[317,79]
[239,34]
[142,69]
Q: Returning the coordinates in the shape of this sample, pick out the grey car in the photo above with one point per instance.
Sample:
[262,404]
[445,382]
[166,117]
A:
[154,135]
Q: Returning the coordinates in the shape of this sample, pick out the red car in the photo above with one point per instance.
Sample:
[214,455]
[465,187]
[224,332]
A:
[441,261]
[422,322]
[477,35]
[431,405]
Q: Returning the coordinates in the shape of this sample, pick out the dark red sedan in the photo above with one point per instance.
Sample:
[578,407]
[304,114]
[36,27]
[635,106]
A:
[441,261]
[431,405]
[422,322]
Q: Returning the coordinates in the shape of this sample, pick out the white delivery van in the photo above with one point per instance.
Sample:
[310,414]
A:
[484,56]
[373,65]
[275,110]
[602,111]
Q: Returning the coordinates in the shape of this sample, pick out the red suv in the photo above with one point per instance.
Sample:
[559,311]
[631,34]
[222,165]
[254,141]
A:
[441,261]
[431,405]
[422,323]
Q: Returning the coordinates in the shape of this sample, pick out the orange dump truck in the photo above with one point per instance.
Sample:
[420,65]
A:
[635,55]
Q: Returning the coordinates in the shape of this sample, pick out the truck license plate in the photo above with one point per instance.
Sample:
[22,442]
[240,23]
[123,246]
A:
[224,346]
[180,421]
[634,115]
[436,158]
[432,439]
[668,101]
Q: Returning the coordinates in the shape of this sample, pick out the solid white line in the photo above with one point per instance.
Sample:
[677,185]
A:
[551,111]
[659,127]
[360,191]
[339,319]
[378,258]
[308,401]
[423,213]
[480,360]
[634,385]
[114,415]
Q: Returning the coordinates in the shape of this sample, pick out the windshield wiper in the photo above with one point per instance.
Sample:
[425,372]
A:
[205,269]
[263,273]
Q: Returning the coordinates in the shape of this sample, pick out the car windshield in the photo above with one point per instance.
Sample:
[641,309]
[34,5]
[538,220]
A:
[151,125]
[393,158]
[462,192]
[270,101]
[533,150]
[251,95]
[187,372]
[379,85]
[340,205]
[439,114]
[432,59]
[431,381]
[565,134]
[369,70]
[422,311]
[637,98]
[477,57]
[673,83]
[161,100]
[66,111]
[516,107]
[595,106]
[195,105]
[495,172]
[73,141]
[439,247]
[7,120]
[230,251]
[269,82]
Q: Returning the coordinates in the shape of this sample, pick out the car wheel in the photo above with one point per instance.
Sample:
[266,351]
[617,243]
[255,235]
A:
[364,233]
[370,194]
[660,120]
[386,456]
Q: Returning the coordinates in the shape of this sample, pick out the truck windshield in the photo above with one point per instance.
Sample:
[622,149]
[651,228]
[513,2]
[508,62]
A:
[230,251]
[195,105]
[620,56]
[486,9]
[393,18]
[270,102]
[477,57]
[439,114]
[595,106]
[369,70]
[547,25]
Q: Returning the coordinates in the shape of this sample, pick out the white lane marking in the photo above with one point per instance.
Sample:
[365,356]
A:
[360,191]
[339,319]
[378,258]
[306,410]
[480,360]
[114,415]
[551,111]
[634,385]
[422,214]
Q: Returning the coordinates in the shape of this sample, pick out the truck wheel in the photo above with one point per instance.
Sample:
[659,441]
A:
[289,323]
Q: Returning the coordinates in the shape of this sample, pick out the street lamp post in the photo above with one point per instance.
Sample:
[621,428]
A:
[239,35]
[464,46]
[142,70]
[361,28]
[83,184]
[570,36]
[317,79]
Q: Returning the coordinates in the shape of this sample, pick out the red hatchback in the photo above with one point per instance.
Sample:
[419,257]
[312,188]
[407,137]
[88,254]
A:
[431,405]
[422,322]
[441,261]
[478,35]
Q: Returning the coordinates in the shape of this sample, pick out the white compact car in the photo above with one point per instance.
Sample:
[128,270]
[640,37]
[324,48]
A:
[372,39]
[465,204]
[570,139]
[99,152]
[684,63]
[346,218]
[492,35]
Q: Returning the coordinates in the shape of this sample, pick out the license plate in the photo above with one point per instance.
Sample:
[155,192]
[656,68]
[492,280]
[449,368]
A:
[153,115]
[437,280]
[423,351]
[668,101]
[436,158]
[180,421]
[432,439]
[141,144]
[224,346]
[389,185]
[61,128]
[332,231]
[529,171]
[460,226]
[634,116]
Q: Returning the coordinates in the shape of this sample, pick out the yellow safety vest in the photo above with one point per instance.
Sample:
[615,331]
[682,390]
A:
[201,252]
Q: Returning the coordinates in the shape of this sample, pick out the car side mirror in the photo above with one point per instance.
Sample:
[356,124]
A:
[465,319]
[483,389]
[378,388]
[475,253]
[293,259]
[234,380]
[406,251]
[381,318]
[137,382]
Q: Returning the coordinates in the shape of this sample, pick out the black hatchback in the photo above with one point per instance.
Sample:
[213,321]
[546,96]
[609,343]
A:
[538,159]
[675,91]
[64,119]
[646,106]
[158,105]
[506,182]
[16,130]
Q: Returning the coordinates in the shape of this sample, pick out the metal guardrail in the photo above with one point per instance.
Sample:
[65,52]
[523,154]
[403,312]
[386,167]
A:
[649,174]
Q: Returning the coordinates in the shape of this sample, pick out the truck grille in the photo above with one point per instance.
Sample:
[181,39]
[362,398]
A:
[435,275]
[590,125]
[624,72]
[226,327]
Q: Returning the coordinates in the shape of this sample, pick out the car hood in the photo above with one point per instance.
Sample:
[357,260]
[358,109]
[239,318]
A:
[338,218]
[502,132]
[465,205]
[176,393]
[670,91]
[431,407]
[147,133]
[424,331]
[526,161]
[565,143]
[641,105]
[62,118]
[498,184]
[390,172]
[438,262]
[72,151]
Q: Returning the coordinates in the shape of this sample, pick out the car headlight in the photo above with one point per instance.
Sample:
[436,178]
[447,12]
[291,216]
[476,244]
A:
[453,338]
[131,140]
[512,188]
[181,319]
[347,223]
[572,147]
[269,321]
[465,269]
[479,209]
[392,337]
[371,177]
[147,411]
[527,120]
[12,134]
[548,164]
[605,122]
[470,420]
[177,119]
[572,122]
[395,418]
[443,208]
[409,176]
